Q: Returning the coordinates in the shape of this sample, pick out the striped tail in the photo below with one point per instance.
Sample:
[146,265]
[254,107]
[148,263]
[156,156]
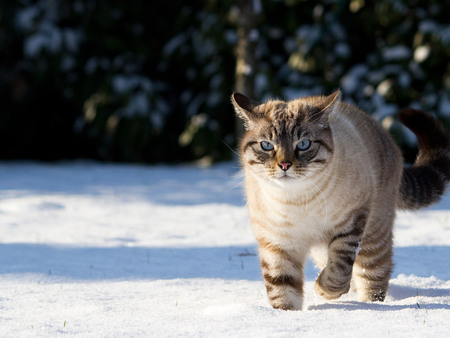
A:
[425,181]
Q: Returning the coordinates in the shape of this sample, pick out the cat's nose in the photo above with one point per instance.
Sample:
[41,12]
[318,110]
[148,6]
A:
[284,165]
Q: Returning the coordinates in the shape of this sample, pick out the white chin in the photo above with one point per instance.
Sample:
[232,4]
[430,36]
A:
[285,181]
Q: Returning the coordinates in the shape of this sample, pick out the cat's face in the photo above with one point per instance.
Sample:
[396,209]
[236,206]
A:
[285,141]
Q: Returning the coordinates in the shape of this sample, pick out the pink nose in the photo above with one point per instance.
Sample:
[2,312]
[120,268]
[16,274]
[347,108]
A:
[284,165]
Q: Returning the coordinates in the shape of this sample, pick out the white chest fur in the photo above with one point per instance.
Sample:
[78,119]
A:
[293,211]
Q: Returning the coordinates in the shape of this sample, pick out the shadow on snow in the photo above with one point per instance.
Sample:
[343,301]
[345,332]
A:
[354,305]
[58,263]
[234,262]
[164,185]
[124,263]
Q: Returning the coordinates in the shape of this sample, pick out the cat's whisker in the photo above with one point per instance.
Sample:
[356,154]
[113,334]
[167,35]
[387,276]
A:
[240,183]
[234,151]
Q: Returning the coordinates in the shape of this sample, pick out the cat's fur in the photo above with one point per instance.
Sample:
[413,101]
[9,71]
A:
[336,199]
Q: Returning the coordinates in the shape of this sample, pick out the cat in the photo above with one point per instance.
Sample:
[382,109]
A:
[324,178]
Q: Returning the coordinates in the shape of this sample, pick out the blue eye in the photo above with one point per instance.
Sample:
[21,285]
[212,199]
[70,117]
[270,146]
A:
[304,145]
[267,146]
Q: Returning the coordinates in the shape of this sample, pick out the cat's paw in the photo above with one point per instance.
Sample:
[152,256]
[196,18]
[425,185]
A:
[329,290]
[284,303]
[283,306]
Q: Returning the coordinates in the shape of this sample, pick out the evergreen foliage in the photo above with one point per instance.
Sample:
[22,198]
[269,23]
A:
[150,81]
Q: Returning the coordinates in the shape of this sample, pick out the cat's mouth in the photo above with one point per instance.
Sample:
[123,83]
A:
[284,177]
[283,180]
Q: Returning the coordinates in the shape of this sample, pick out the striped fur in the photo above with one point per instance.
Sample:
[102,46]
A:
[425,181]
[323,178]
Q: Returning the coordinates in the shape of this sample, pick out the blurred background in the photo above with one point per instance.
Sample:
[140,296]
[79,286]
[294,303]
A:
[150,81]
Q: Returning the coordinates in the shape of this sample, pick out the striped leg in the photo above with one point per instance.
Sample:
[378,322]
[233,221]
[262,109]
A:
[334,280]
[373,265]
[283,276]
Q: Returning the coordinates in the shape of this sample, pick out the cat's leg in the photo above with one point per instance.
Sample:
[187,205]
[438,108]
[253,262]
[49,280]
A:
[334,280]
[373,264]
[283,275]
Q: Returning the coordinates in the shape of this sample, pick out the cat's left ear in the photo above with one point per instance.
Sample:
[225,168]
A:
[328,103]
[245,109]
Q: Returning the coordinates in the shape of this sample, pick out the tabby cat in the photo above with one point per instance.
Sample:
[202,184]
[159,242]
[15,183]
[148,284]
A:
[324,178]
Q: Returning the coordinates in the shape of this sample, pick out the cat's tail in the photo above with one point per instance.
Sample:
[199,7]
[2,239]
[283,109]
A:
[425,181]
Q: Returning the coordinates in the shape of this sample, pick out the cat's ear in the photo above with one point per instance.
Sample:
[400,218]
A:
[328,103]
[245,109]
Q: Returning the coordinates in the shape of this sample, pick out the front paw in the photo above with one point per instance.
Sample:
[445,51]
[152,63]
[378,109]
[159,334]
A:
[284,302]
[329,287]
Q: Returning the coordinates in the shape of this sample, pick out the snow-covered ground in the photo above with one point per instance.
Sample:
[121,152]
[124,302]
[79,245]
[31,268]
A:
[100,250]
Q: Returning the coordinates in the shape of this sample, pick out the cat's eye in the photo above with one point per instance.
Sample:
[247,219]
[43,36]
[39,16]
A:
[304,145]
[267,146]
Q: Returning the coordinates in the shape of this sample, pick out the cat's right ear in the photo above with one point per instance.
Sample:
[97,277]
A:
[245,109]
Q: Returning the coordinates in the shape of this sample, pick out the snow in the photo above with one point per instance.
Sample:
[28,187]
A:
[444,104]
[352,80]
[101,250]
[127,83]
[39,23]
[421,53]
[49,38]
[175,43]
[396,53]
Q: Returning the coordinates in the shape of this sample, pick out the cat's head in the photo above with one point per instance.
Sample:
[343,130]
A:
[286,140]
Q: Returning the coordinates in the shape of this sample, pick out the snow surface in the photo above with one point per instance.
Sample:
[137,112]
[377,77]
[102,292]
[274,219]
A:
[99,250]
